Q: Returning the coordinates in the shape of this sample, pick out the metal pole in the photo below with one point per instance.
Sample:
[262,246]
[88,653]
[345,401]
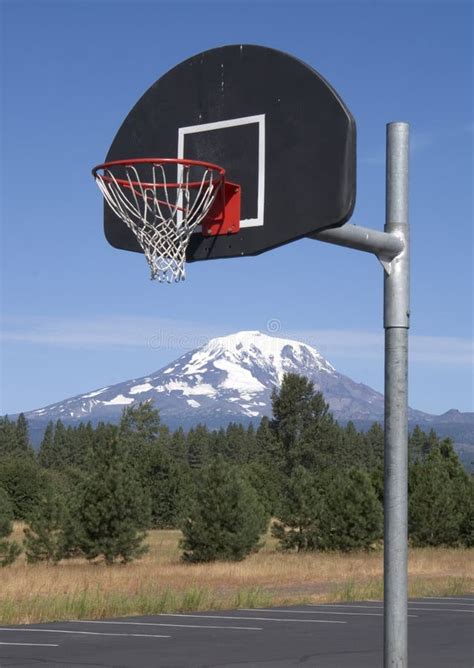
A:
[396,324]
[392,247]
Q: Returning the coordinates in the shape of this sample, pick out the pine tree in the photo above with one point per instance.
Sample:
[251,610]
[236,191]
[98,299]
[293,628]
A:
[162,472]
[218,444]
[177,446]
[374,439]
[441,499]
[374,448]
[292,408]
[139,432]
[23,445]
[321,445]
[70,446]
[170,488]
[377,476]
[351,514]
[432,441]
[416,443]
[113,510]
[67,485]
[142,420]
[452,461]
[226,520]
[14,439]
[352,447]
[103,433]
[267,487]
[60,448]
[46,453]
[251,447]
[44,536]
[303,424]
[198,446]
[9,550]
[66,481]
[237,450]
[466,529]
[269,460]
[268,448]
[300,514]
[55,447]
[7,437]
[22,479]
[81,441]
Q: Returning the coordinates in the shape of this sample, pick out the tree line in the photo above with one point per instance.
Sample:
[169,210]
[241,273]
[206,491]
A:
[95,491]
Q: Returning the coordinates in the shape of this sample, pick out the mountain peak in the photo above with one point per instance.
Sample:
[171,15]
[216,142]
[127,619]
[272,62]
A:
[229,379]
[251,348]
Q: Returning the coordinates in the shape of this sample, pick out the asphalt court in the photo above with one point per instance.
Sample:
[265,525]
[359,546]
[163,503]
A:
[441,632]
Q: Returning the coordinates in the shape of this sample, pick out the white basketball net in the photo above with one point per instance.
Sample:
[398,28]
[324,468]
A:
[161,217]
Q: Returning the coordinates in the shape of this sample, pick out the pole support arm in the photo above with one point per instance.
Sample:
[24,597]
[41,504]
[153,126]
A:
[386,246]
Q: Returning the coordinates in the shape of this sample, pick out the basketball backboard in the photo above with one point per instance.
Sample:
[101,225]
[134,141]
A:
[272,122]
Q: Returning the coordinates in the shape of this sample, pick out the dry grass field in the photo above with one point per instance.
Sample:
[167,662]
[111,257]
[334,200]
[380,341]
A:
[160,582]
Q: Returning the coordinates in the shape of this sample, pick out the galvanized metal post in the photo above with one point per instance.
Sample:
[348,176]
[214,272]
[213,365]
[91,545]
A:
[396,324]
[392,248]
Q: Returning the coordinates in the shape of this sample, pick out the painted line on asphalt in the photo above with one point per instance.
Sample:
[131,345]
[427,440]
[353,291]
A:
[468,605]
[448,598]
[180,626]
[442,610]
[412,607]
[441,599]
[11,629]
[345,605]
[30,644]
[322,612]
[314,612]
[257,619]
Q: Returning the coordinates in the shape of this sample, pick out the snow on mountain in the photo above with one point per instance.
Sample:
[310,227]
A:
[228,378]
[231,378]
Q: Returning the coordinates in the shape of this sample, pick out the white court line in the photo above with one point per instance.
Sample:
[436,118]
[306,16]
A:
[181,626]
[29,644]
[412,608]
[345,605]
[468,612]
[376,607]
[257,619]
[321,612]
[469,605]
[11,629]
[428,599]
[314,612]
[449,598]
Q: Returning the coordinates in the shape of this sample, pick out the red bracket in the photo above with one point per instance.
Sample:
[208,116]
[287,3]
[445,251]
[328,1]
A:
[224,215]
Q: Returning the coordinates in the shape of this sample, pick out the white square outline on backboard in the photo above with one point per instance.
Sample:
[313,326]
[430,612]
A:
[235,122]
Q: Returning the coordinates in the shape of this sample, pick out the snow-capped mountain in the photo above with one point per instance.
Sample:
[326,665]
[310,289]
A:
[230,379]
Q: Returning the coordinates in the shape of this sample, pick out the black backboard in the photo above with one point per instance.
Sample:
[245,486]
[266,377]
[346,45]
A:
[275,125]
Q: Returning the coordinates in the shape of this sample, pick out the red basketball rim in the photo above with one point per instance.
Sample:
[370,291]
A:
[158,161]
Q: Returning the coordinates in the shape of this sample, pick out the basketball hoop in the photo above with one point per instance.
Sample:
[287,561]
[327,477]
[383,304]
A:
[162,201]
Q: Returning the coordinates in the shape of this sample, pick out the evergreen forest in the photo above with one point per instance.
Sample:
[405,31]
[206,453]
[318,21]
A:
[95,491]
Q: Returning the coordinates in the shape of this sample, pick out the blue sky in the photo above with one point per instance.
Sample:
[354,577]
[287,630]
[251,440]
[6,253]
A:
[78,314]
